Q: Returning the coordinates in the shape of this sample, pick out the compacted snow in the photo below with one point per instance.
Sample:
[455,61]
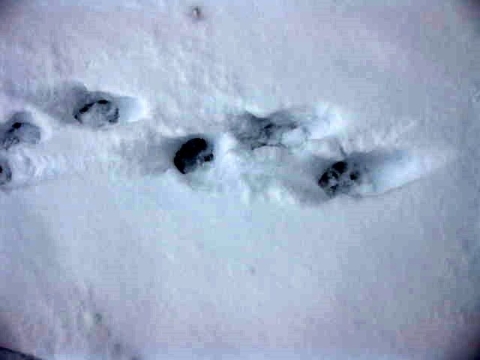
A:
[239,179]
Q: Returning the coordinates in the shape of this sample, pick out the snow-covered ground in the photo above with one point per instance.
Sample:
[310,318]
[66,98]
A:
[108,252]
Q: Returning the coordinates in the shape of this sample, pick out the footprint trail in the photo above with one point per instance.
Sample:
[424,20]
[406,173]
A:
[290,155]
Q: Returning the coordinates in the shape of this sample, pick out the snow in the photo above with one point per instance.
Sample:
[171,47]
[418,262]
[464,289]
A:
[108,252]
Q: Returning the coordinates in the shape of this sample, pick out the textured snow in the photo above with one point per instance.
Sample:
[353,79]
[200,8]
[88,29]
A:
[108,252]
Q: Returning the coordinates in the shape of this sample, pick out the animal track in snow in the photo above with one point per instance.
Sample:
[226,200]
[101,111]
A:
[372,173]
[97,109]
[192,154]
[20,129]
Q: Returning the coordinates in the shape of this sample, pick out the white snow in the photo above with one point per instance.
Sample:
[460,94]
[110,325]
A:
[108,252]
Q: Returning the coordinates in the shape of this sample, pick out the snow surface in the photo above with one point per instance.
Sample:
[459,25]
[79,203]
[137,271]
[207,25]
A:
[108,252]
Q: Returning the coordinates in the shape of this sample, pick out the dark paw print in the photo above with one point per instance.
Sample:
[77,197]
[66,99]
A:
[21,132]
[98,113]
[339,178]
[193,153]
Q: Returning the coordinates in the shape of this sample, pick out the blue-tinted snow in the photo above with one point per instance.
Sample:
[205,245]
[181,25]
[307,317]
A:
[107,252]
